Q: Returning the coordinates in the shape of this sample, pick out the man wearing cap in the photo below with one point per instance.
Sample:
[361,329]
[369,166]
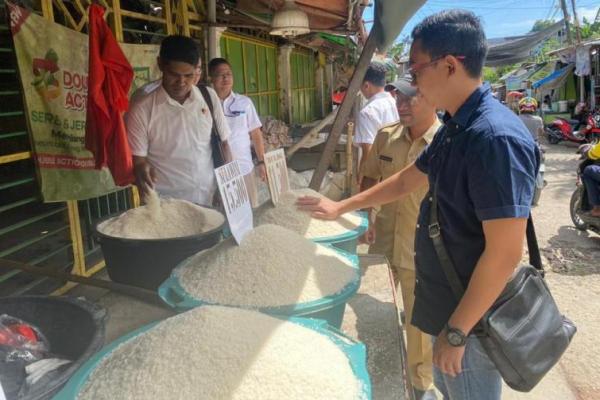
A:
[393,232]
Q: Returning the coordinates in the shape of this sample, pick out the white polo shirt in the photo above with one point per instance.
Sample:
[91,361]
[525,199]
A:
[242,119]
[175,138]
[379,111]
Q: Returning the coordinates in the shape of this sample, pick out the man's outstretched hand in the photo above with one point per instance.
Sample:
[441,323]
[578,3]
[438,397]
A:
[321,208]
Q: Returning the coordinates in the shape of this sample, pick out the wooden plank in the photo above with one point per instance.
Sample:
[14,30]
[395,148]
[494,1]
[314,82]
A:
[344,110]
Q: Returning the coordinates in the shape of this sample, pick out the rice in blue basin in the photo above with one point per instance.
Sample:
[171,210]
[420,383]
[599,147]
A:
[226,353]
[274,270]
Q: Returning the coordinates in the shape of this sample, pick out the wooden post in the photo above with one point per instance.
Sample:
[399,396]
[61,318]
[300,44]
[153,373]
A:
[563,5]
[349,171]
[344,110]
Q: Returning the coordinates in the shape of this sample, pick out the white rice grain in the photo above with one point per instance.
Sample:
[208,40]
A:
[162,219]
[286,214]
[221,353]
[273,266]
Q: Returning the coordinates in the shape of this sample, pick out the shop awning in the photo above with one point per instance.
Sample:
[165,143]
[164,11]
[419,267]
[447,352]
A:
[555,80]
[510,50]
[390,18]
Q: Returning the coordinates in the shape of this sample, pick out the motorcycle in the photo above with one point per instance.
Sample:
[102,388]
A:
[562,129]
[580,206]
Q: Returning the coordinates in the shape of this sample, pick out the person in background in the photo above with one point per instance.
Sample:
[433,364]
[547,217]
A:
[482,165]
[534,123]
[244,124]
[393,232]
[591,176]
[169,128]
[380,110]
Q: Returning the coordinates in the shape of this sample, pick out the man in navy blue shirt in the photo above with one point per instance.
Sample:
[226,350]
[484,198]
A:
[483,162]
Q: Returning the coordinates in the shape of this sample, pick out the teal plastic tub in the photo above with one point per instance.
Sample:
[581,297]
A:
[354,350]
[330,308]
[348,241]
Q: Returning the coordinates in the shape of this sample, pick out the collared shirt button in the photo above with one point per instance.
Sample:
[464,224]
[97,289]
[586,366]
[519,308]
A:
[418,225]
[448,140]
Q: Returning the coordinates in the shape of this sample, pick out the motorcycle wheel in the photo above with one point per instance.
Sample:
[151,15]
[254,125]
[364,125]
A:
[575,208]
[553,136]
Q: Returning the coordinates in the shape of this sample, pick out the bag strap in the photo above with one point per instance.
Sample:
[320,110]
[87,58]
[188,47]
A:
[209,103]
[435,234]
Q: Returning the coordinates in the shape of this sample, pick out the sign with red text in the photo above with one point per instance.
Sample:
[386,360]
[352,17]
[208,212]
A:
[277,173]
[53,66]
[235,198]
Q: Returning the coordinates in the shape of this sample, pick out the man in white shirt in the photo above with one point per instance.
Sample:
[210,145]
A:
[169,128]
[244,125]
[379,111]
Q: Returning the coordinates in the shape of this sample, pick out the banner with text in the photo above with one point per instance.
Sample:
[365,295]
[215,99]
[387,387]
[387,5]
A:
[277,173]
[53,66]
[235,199]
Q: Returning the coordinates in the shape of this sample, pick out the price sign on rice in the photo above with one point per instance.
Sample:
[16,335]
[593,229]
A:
[235,199]
[277,173]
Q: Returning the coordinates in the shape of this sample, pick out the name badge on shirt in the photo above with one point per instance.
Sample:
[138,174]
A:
[386,158]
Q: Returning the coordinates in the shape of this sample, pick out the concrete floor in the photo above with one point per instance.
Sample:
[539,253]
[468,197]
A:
[371,317]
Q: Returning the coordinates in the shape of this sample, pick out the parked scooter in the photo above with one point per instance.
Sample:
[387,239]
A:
[562,129]
[580,206]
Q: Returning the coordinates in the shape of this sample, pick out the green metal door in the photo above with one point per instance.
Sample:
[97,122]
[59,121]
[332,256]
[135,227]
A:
[254,65]
[304,91]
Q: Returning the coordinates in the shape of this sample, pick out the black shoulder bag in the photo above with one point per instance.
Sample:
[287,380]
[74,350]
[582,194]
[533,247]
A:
[523,332]
[215,139]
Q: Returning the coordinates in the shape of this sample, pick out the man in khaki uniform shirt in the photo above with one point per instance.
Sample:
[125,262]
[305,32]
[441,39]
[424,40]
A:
[393,232]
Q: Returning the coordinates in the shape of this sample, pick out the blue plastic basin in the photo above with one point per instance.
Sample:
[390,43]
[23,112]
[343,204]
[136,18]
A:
[354,350]
[347,241]
[330,308]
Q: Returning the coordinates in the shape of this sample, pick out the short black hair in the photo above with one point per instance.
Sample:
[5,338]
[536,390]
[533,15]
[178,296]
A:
[457,33]
[376,74]
[179,48]
[215,63]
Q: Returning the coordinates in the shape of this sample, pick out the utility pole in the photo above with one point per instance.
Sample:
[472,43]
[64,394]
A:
[578,30]
[563,5]
[577,27]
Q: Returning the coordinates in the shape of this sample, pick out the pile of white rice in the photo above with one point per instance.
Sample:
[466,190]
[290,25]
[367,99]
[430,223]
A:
[219,353]
[162,219]
[273,266]
[286,214]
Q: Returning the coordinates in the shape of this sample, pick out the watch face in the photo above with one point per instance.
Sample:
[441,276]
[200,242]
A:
[455,339]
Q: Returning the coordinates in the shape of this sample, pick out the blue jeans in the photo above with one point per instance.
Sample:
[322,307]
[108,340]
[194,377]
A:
[479,379]
[591,180]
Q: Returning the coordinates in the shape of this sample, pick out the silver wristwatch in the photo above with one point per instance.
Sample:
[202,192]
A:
[455,337]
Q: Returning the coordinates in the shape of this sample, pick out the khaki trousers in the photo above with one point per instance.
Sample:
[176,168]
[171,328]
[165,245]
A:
[418,347]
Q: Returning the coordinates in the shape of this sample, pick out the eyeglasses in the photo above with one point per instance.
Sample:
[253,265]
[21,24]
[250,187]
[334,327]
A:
[223,76]
[402,99]
[416,69]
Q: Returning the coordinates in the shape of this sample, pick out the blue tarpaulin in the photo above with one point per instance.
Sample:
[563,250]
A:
[555,79]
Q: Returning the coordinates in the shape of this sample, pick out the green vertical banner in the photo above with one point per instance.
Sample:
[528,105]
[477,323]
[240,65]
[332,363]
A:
[53,66]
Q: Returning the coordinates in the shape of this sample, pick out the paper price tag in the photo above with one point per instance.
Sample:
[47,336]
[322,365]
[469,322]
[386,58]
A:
[235,199]
[277,173]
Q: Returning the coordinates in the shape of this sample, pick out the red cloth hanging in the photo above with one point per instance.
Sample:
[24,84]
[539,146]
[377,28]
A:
[109,80]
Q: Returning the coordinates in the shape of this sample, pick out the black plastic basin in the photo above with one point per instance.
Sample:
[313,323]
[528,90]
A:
[74,328]
[147,263]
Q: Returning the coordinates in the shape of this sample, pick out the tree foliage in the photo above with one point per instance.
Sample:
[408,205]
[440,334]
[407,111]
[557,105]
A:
[542,24]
